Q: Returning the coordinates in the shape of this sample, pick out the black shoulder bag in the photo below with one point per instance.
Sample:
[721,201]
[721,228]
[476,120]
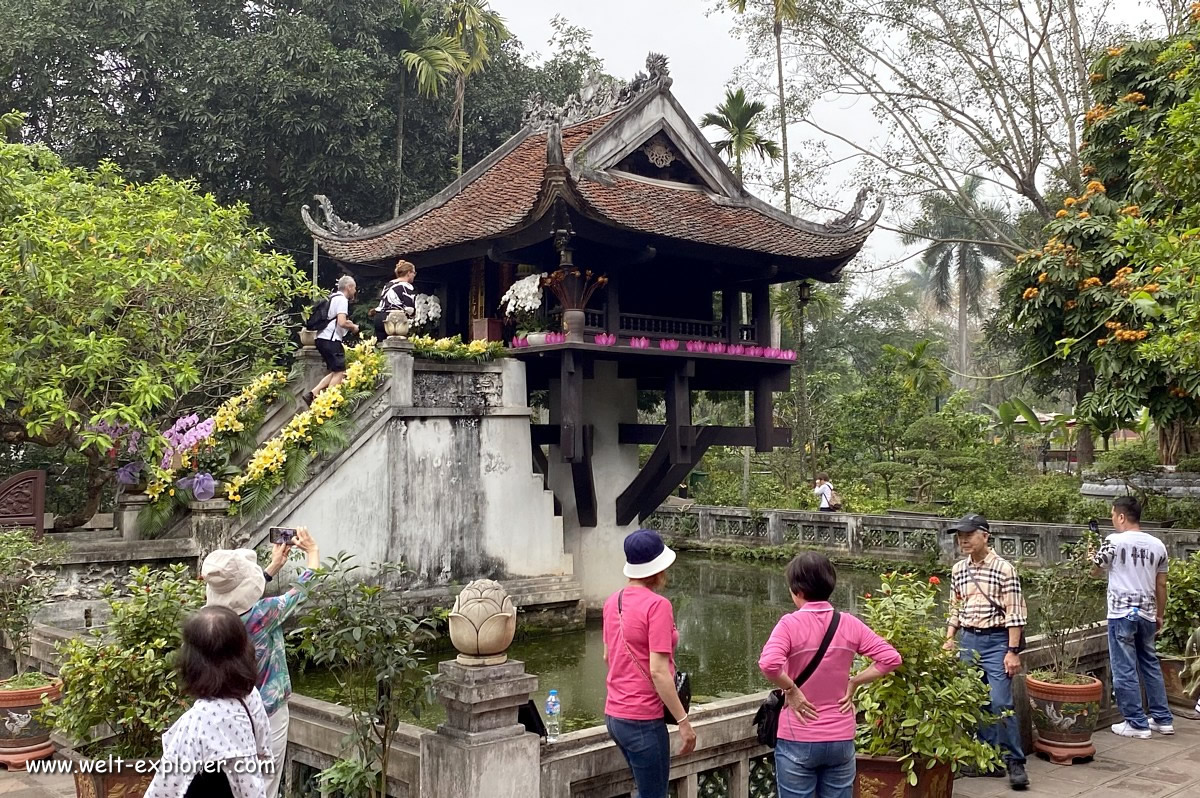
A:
[767,718]
[683,682]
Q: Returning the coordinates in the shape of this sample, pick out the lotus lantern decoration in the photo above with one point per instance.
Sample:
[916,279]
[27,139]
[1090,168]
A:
[483,623]
[396,324]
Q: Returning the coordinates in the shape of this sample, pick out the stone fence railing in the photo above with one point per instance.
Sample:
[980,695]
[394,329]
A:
[878,536]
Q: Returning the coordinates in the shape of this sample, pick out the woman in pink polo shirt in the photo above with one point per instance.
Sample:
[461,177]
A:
[639,648]
[815,753]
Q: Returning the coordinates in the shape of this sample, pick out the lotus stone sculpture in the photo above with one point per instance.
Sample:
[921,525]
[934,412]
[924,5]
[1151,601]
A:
[482,623]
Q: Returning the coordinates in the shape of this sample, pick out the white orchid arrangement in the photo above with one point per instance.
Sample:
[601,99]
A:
[427,310]
[522,301]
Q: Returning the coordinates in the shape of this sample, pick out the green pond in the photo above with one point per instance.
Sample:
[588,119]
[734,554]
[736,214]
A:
[725,610]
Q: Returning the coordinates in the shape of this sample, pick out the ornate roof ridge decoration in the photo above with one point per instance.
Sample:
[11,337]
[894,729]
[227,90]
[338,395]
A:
[334,223]
[598,96]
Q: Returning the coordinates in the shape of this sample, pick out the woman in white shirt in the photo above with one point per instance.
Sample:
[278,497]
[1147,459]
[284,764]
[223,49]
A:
[220,748]
[396,295]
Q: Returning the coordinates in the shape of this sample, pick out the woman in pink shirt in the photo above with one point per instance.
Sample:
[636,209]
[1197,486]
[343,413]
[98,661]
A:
[814,757]
[639,648]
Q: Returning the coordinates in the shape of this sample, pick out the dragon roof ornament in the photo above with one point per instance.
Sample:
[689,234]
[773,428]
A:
[599,95]
[334,223]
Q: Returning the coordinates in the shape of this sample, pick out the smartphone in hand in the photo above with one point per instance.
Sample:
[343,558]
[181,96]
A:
[1094,525]
[282,534]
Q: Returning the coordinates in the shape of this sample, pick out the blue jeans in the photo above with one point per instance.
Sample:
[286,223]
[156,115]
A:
[1131,649]
[647,748]
[1002,733]
[815,770]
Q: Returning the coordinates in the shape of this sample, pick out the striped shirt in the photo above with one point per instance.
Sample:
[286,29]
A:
[986,595]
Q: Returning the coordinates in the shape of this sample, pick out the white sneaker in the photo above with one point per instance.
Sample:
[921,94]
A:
[1162,728]
[1125,730]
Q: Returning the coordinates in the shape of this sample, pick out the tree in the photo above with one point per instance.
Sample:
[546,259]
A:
[737,117]
[923,374]
[958,246]
[782,11]
[477,29]
[123,304]
[426,58]
[1113,289]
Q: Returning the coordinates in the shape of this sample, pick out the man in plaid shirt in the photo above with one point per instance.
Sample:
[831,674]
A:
[987,612]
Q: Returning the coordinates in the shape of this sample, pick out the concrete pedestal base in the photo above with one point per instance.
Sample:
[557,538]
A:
[481,751]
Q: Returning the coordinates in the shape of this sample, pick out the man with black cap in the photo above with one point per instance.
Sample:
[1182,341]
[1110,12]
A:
[987,607]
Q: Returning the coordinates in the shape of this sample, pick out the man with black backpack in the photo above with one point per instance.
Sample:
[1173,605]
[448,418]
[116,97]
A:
[332,317]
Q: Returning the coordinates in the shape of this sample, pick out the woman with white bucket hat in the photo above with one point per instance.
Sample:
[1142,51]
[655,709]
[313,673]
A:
[639,647]
[234,579]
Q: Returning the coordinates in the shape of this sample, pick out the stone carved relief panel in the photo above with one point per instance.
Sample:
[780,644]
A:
[472,391]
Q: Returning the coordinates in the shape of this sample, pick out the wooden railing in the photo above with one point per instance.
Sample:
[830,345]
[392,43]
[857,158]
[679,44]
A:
[694,329]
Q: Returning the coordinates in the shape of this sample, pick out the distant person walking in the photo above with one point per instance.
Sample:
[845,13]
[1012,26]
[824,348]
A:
[234,580]
[1136,563]
[220,747]
[398,294]
[827,498]
[329,340]
[987,611]
[814,756]
[639,649]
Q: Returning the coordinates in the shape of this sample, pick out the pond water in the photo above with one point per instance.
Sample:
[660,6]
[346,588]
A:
[724,610]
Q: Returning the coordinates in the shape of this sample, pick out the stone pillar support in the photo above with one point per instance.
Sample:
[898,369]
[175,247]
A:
[399,370]
[312,368]
[212,525]
[125,519]
[481,751]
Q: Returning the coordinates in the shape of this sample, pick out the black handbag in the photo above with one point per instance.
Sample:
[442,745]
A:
[683,682]
[766,720]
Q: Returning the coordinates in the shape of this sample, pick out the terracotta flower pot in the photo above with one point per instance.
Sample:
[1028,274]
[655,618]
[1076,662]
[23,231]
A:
[23,739]
[125,781]
[883,777]
[1064,717]
[1172,668]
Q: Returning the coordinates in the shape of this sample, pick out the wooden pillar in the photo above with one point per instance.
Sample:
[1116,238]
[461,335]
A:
[680,434]
[760,299]
[764,415]
[571,409]
[612,307]
[731,315]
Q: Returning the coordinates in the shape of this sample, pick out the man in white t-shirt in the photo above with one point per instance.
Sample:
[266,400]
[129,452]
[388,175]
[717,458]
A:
[824,492]
[329,340]
[1136,563]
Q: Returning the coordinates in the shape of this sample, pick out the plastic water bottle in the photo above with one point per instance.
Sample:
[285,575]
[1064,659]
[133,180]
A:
[553,716]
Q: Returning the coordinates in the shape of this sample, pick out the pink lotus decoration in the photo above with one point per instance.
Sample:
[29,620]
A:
[737,349]
[668,344]
[754,351]
[519,343]
[556,338]
[718,348]
[771,352]
[788,354]
[640,343]
[606,339]
[694,346]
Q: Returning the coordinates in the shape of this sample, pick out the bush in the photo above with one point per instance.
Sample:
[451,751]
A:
[1043,499]
[1127,459]
[1182,613]
[1189,464]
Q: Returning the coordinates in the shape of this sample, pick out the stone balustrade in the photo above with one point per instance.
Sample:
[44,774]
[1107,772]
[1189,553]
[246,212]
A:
[885,537]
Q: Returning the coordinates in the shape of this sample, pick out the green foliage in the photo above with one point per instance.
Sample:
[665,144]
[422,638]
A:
[1189,464]
[124,674]
[450,350]
[27,681]
[1181,616]
[1128,460]
[1067,598]
[26,580]
[738,119]
[929,709]
[374,650]
[1039,499]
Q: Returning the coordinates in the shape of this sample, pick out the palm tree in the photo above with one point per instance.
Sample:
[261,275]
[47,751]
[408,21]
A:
[959,244]
[783,11]
[475,27]
[923,374]
[738,118]
[427,56]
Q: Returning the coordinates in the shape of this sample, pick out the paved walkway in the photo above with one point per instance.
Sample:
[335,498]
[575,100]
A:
[1162,767]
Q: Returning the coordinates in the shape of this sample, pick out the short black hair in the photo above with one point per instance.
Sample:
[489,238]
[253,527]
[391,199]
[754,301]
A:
[217,658]
[1129,507]
[823,476]
[812,576]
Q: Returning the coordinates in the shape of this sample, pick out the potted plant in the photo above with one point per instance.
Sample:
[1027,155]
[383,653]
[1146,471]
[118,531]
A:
[373,649]
[25,585]
[1064,702]
[520,305]
[122,677]
[573,288]
[917,725]
[1178,642]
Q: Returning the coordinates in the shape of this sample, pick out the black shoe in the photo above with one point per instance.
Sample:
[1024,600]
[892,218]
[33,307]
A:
[308,398]
[1017,778]
[968,772]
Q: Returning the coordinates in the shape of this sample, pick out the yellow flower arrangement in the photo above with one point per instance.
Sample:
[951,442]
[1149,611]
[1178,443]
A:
[229,416]
[1061,213]
[1069,201]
